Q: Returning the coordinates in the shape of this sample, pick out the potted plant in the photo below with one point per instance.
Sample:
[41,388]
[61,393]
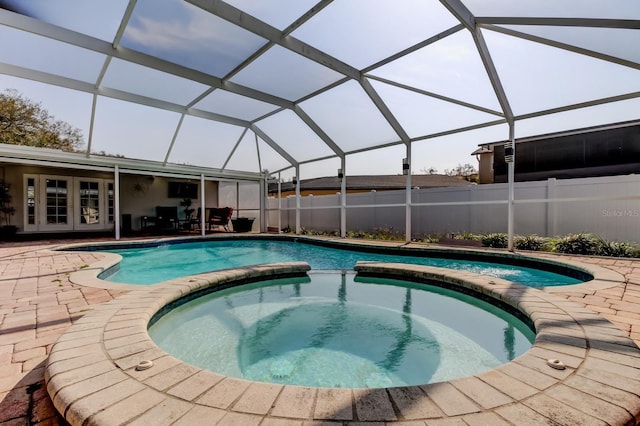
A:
[7,231]
[186,203]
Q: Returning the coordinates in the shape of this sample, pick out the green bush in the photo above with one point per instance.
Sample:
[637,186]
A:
[580,243]
[467,236]
[495,240]
[430,238]
[616,249]
[356,234]
[386,234]
[529,242]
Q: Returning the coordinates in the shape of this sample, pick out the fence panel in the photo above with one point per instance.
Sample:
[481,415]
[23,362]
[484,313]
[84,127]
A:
[612,219]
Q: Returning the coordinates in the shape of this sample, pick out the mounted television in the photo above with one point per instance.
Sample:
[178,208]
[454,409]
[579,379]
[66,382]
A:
[183,190]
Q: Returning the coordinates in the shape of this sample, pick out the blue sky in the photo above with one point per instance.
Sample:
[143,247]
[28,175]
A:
[359,33]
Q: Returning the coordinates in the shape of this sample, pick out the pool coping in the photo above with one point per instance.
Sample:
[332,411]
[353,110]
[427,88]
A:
[91,371]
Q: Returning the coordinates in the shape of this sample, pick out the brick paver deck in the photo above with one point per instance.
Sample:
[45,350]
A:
[39,303]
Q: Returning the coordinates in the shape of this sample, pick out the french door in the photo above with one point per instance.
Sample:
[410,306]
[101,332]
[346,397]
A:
[60,203]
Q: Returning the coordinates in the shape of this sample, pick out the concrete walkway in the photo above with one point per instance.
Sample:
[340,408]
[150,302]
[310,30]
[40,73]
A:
[38,303]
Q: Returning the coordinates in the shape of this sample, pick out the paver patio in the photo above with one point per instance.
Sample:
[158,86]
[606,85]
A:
[38,304]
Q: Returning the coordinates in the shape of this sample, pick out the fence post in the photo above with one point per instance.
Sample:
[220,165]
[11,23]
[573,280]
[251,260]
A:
[551,207]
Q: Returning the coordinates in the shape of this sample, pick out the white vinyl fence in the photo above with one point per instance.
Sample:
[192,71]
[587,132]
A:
[605,206]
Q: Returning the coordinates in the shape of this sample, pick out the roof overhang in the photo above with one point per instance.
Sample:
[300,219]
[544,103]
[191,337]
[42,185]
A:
[54,158]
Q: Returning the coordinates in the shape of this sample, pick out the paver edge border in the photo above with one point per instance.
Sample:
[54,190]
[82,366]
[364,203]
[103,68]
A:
[131,313]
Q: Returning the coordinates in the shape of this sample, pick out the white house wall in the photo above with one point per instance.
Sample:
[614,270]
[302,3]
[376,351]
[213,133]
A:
[139,194]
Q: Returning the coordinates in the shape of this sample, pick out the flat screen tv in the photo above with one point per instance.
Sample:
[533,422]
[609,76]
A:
[183,190]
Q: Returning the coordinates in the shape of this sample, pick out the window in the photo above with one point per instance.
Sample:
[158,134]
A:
[31,201]
[110,202]
[56,202]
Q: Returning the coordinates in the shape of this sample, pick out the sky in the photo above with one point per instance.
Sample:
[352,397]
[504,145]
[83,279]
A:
[453,90]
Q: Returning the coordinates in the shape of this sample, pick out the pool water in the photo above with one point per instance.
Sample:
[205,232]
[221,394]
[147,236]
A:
[339,330]
[155,264]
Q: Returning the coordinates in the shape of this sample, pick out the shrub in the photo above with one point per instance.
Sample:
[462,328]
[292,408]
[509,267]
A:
[530,242]
[467,236]
[577,244]
[304,231]
[496,240]
[430,238]
[616,249]
[356,234]
[386,234]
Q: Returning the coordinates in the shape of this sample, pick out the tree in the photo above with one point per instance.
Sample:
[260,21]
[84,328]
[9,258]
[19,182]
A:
[467,171]
[429,171]
[6,209]
[24,122]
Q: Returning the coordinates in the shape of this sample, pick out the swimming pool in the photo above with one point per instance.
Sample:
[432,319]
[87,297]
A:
[152,264]
[341,330]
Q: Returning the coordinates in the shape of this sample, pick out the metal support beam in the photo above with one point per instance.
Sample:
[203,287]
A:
[275,146]
[203,213]
[264,191]
[173,139]
[116,201]
[384,110]
[250,23]
[35,26]
[460,11]
[407,232]
[343,198]
[318,130]
[91,123]
[492,72]
[233,150]
[82,86]
[630,24]
[280,203]
[511,183]
[565,46]
[297,200]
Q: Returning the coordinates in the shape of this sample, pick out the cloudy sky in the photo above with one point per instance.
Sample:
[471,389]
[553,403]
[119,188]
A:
[452,87]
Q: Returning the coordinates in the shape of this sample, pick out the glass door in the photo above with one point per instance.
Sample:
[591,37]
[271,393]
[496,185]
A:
[88,203]
[93,203]
[56,203]
[55,193]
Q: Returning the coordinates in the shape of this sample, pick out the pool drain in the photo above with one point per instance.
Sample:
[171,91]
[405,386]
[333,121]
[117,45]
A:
[144,365]
[555,363]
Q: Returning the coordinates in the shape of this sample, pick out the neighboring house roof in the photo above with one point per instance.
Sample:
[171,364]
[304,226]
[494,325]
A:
[605,150]
[373,182]
[488,147]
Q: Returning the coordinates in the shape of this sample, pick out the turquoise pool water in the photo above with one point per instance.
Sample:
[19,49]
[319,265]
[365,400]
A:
[155,264]
[339,330]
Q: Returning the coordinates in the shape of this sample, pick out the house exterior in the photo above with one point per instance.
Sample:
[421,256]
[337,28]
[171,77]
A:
[62,192]
[365,183]
[589,152]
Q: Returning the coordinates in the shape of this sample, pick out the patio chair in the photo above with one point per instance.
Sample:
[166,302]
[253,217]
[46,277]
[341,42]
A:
[89,215]
[196,220]
[220,217]
[167,217]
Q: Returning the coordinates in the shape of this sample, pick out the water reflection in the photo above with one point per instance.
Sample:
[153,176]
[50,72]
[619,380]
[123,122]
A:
[509,342]
[335,330]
